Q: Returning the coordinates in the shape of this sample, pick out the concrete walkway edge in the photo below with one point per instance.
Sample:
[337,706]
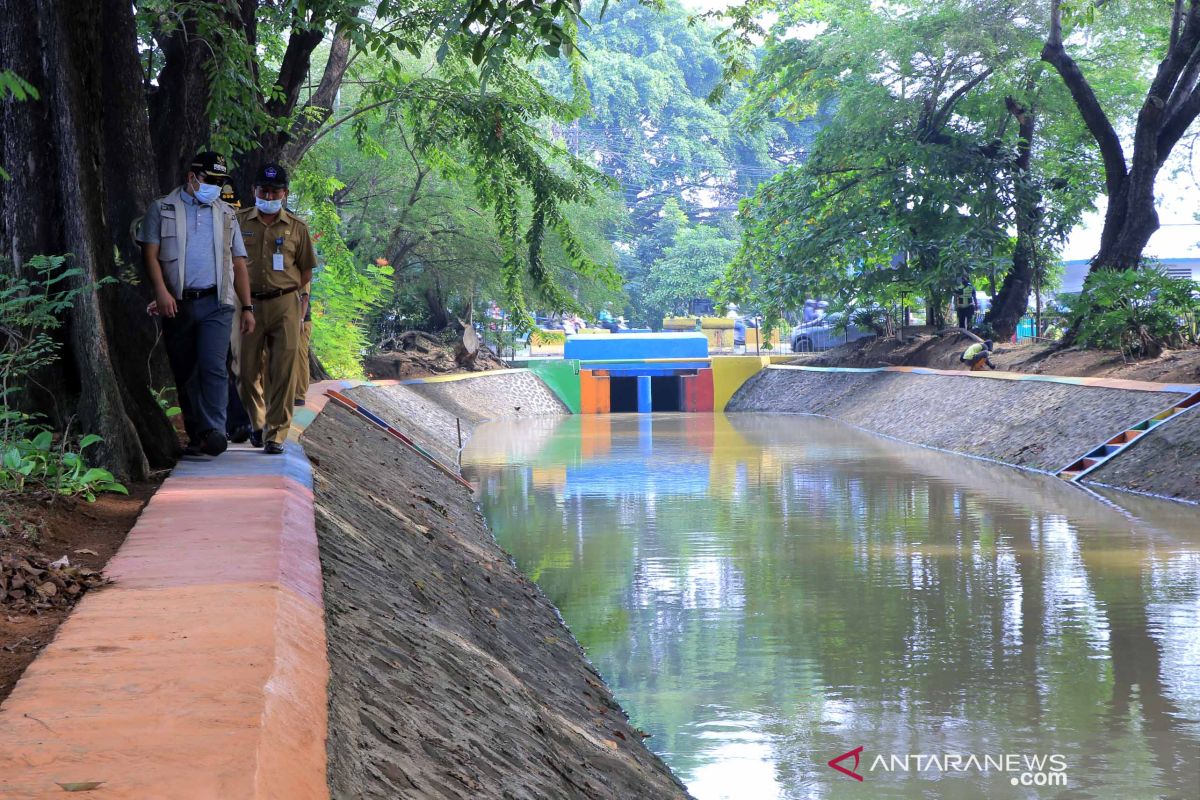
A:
[202,671]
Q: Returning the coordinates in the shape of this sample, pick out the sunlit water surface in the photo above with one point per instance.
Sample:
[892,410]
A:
[764,593]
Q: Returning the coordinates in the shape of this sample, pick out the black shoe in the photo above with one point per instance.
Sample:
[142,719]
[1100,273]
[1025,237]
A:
[299,402]
[273,449]
[256,439]
[240,434]
[213,443]
[192,449]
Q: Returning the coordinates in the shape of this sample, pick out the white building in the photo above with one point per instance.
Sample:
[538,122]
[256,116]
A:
[1176,245]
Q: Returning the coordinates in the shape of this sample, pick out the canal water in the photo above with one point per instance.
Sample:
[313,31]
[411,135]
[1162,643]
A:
[765,593]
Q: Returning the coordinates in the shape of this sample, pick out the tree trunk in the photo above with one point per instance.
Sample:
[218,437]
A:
[130,183]
[316,370]
[1012,300]
[1129,222]
[72,49]
[1172,103]
[178,106]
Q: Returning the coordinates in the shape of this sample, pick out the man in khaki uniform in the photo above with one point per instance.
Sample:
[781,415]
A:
[282,259]
[302,374]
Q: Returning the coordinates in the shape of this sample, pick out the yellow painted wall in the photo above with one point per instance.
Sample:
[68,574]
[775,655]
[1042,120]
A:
[730,372]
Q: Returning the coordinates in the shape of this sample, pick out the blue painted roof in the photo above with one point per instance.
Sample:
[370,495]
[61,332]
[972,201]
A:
[588,347]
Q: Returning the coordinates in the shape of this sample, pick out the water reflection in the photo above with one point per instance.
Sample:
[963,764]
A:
[765,593]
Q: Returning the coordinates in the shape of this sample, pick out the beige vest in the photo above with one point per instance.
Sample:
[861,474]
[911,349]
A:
[172,245]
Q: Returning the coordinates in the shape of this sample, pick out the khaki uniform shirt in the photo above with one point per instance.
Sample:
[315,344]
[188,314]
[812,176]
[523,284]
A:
[289,236]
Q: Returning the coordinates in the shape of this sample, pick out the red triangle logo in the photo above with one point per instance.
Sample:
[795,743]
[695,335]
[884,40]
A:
[855,752]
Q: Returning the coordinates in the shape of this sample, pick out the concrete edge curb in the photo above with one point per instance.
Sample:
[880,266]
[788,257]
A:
[1102,383]
[202,671]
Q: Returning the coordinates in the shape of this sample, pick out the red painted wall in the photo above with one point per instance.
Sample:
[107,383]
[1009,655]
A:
[698,391]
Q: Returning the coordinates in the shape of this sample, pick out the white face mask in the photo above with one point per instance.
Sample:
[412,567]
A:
[206,193]
[268,206]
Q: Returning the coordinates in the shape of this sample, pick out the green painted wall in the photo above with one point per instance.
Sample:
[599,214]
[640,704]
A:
[562,377]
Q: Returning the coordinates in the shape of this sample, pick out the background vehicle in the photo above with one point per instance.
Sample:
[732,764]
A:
[826,332]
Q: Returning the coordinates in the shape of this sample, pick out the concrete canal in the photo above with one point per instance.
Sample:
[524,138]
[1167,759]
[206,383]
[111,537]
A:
[767,592]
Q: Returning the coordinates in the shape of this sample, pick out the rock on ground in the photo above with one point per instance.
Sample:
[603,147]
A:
[452,676]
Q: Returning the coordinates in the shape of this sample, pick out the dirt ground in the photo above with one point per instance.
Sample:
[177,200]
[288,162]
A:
[942,352]
[418,355]
[87,533]
[452,676]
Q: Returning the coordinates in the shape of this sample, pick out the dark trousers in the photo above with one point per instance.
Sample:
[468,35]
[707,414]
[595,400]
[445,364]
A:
[197,342]
[236,416]
[966,316]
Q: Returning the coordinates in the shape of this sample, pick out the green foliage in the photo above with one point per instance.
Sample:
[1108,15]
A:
[161,396]
[346,290]
[32,306]
[1136,311]
[688,269]
[455,181]
[680,160]
[912,181]
[38,463]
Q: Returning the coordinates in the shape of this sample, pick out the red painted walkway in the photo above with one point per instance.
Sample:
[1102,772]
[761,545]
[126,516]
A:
[202,672]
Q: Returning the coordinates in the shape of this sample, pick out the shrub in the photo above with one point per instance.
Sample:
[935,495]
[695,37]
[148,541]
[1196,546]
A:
[1138,312]
[29,458]
[38,463]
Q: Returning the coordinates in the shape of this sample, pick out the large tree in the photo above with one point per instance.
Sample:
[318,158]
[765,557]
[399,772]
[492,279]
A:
[1169,31]
[123,104]
[927,165]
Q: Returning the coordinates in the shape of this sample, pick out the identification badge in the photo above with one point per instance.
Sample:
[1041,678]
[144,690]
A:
[277,262]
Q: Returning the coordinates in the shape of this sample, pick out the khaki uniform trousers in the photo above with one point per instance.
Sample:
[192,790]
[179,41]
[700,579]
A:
[267,381]
[302,360]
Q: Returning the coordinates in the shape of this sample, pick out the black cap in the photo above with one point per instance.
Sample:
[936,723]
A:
[210,164]
[272,175]
[228,195]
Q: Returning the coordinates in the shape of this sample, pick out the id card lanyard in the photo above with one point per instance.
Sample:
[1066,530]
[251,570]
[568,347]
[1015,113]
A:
[277,256]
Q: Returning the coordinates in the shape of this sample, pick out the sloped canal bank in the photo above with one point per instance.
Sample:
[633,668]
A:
[451,673]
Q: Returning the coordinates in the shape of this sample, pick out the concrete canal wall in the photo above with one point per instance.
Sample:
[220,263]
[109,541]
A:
[451,675]
[1028,421]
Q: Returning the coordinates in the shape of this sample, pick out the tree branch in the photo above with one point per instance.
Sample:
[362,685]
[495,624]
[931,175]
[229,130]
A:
[1098,124]
[1177,123]
[319,107]
[943,113]
[293,70]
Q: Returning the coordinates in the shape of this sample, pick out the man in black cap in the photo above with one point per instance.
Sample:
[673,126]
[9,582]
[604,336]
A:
[281,259]
[196,262]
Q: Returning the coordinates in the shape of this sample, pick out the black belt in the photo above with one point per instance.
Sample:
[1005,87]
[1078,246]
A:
[196,294]
[271,295]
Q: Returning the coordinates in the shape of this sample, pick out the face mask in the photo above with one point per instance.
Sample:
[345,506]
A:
[207,192]
[268,206]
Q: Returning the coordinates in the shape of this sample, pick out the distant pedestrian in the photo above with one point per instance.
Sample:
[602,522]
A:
[196,262]
[739,336]
[965,304]
[977,355]
[810,310]
[282,260]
